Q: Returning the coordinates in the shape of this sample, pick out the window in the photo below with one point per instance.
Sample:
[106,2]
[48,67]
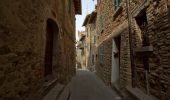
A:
[143,24]
[117,3]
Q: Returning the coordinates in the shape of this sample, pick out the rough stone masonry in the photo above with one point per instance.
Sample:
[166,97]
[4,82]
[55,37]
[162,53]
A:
[36,39]
[150,76]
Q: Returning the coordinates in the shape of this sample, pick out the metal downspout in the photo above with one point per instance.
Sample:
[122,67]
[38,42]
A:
[130,43]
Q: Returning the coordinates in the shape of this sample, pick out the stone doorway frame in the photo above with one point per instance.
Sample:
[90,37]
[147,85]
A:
[52,30]
[116,41]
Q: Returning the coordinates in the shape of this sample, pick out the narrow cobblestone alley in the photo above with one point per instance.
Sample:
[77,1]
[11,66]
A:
[84,49]
[84,86]
[87,86]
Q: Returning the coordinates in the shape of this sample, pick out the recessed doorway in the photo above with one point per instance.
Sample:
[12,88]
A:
[115,60]
[51,34]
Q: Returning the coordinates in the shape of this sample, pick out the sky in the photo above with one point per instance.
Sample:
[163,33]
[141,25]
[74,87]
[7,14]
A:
[87,7]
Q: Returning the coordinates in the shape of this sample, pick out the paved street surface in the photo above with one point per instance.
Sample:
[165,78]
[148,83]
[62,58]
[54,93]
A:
[87,86]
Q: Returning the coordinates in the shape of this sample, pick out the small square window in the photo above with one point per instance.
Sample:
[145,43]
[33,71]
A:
[116,3]
[141,21]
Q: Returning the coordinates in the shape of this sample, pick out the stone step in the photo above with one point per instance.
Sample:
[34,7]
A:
[138,94]
[65,95]
[47,86]
[54,93]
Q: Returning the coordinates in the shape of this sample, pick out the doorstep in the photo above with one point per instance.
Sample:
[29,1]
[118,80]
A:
[48,85]
[54,93]
[117,89]
[65,95]
[138,94]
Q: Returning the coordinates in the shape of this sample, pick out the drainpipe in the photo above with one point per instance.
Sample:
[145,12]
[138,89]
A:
[130,43]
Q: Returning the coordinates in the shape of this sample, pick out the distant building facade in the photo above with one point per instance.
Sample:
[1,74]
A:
[133,45]
[81,45]
[37,38]
[90,28]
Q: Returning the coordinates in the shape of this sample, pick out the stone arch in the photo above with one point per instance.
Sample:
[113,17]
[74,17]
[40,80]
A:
[52,31]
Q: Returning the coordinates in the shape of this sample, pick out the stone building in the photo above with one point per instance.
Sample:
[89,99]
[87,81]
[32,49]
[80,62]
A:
[87,47]
[150,30]
[133,45]
[90,27]
[78,58]
[36,39]
[81,47]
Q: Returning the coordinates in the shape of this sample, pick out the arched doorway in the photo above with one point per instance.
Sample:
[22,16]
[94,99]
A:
[51,34]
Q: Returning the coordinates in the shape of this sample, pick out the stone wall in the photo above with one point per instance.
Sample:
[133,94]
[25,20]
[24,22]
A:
[22,46]
[103,64]
[112,19]
[158,32]
[91,56]
[102,68]
[87,47]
